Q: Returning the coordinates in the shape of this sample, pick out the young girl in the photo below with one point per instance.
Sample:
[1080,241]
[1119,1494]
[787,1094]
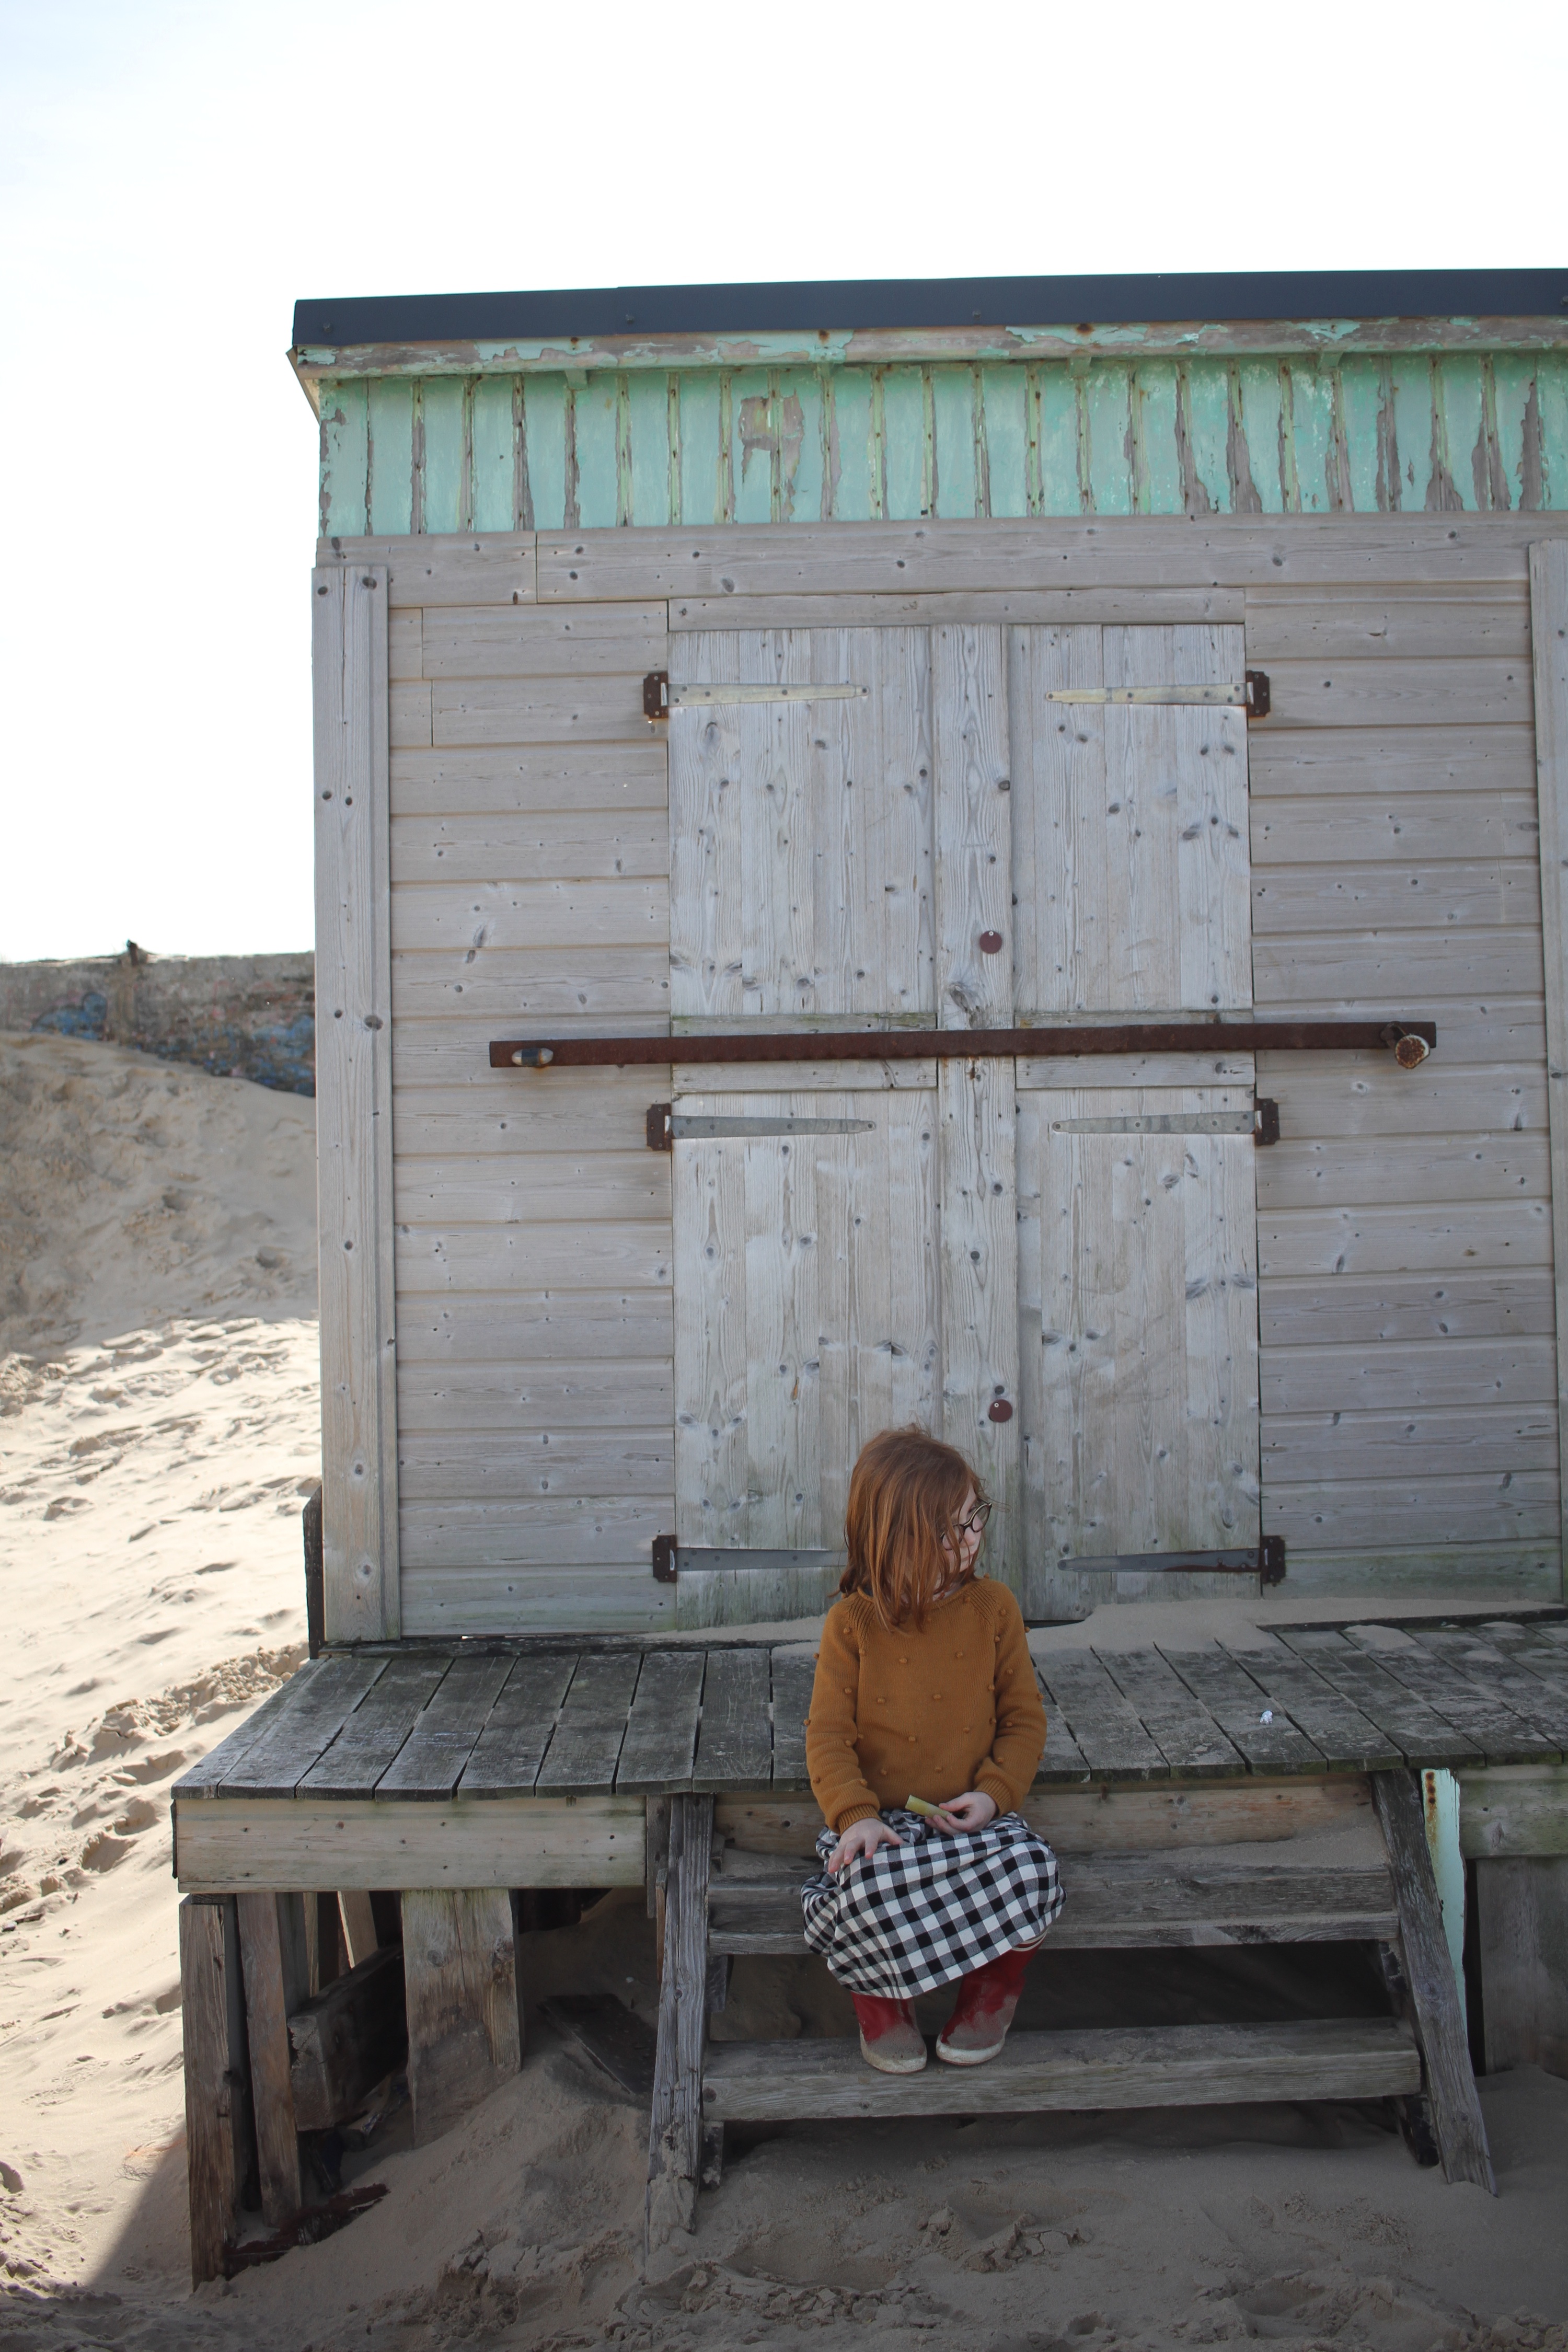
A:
[924,1688]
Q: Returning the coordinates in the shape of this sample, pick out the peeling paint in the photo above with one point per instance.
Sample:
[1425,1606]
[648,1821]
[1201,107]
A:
[1463,431]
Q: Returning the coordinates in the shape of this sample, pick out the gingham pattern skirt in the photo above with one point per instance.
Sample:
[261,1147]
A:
[912,1917]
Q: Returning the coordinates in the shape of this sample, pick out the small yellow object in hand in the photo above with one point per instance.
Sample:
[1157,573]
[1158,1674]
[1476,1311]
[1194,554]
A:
[919,1805]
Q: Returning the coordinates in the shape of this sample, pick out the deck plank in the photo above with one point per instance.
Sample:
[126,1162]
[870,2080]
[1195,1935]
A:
[1186,1734]
[1349,1739]
[1529,1676]
[1422,1735]
[580,1758]
[206,1777]
[431,1760]
[1062,1760]
[1239,1707]
[301,1731]
[372,1735]
[793,1673]
[1480,1703]
[734,1743]
[510,1748]
[661,1728]
[1106,1731]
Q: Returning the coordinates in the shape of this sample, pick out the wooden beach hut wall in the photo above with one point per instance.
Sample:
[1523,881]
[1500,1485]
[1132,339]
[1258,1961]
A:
[1044,677]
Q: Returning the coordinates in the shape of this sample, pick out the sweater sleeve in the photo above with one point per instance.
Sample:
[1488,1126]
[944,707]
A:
[837,1781]
[1007,1773]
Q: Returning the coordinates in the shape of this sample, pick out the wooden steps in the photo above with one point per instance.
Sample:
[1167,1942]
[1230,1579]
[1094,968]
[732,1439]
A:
[1131,2066]
[1116,1902]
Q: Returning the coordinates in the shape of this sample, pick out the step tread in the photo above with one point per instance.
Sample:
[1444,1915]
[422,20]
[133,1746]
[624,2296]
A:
[1121,2066]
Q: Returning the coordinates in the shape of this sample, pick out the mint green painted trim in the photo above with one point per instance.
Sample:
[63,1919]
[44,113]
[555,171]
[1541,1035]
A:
[1403,432]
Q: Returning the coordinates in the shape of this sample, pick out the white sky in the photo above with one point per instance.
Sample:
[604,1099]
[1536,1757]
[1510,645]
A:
[172,177]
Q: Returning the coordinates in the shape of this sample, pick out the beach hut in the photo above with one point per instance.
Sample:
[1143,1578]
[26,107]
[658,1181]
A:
[988,852]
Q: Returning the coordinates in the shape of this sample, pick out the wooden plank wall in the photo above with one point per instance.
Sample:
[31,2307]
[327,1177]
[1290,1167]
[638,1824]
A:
[1270,432]
[1408,1360]
[1409,1380]
[530,864]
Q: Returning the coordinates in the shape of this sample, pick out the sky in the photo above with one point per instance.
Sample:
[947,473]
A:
[172,177]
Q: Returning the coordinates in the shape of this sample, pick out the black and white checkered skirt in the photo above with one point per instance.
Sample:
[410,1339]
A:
[912,1917]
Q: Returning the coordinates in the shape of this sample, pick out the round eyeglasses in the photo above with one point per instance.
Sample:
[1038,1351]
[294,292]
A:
[974,1525]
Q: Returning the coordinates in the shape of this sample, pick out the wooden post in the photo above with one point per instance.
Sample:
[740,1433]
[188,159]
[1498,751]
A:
[353,1103]
[215,2079]
[1521,1901]
[1548,640]
[272,1969]
[465,2024]
[675,2136]
[1451,2085]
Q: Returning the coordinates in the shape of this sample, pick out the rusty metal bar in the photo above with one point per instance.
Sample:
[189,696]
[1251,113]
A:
[1410,1042]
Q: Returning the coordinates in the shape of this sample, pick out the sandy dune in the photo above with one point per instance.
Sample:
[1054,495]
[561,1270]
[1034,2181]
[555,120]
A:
[157,1424]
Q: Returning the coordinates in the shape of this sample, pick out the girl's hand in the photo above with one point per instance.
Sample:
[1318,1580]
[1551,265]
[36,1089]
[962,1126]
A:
[860,1839]
[970,1812]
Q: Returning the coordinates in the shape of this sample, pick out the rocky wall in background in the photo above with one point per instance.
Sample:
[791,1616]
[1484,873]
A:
[239,1016]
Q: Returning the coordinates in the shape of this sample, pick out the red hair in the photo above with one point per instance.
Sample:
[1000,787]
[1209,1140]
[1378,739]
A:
[906,1492]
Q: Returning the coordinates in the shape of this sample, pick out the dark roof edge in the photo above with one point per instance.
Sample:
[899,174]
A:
[864,305]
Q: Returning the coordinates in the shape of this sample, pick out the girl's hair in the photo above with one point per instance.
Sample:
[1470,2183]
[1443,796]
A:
[906,1492]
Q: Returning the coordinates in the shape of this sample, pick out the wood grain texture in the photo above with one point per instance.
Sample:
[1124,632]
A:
[1548,634]
[1519,1810]
[438,568]
[212,2071]
[675,2132]
[1138,1310]
[529,780]
[301,1729]
[586,1744]
[975,608]
[1449,2083]
[1433,626]
[856,559]
[1186,2065]
[660,1739]
[801,1329]
[266,2032]
[234,1845]
[369,1740]
[465,2025]
[1521,1910]
[431,1762]
[354,1104]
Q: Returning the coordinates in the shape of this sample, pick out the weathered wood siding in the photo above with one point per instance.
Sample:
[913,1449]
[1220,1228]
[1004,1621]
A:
[1408,1359]
[1409,1378]
[1304,432]
[529,866]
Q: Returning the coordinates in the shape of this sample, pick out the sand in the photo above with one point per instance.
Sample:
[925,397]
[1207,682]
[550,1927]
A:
[159,1403]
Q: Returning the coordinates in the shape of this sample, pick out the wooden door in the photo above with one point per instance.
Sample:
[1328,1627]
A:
[922,835]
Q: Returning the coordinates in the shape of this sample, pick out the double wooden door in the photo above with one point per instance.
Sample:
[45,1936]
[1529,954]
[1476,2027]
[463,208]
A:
[1051,1262]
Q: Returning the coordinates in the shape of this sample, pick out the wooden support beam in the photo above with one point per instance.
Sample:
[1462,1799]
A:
[1451,2085]
[273,1961]
[675,2136]
[216,2100]
[1522,1903]
[344,2040]
[1549,637]
[464,2020]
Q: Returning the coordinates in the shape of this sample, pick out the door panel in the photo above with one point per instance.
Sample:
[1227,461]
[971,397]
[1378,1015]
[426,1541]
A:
[801,833]
[1129,832]
[1139,1318]
[806,1311]
[955,849]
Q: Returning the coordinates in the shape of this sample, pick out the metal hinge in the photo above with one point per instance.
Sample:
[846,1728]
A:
[661,1127]
[660,697]
[1266,1118]
[664,1559]
[1271,1559]
[1260,701]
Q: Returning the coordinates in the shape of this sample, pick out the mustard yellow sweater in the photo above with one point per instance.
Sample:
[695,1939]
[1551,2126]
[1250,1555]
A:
[929,1714]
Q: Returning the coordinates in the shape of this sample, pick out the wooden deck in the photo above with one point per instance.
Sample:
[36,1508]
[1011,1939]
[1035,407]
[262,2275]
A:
[432,1724]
